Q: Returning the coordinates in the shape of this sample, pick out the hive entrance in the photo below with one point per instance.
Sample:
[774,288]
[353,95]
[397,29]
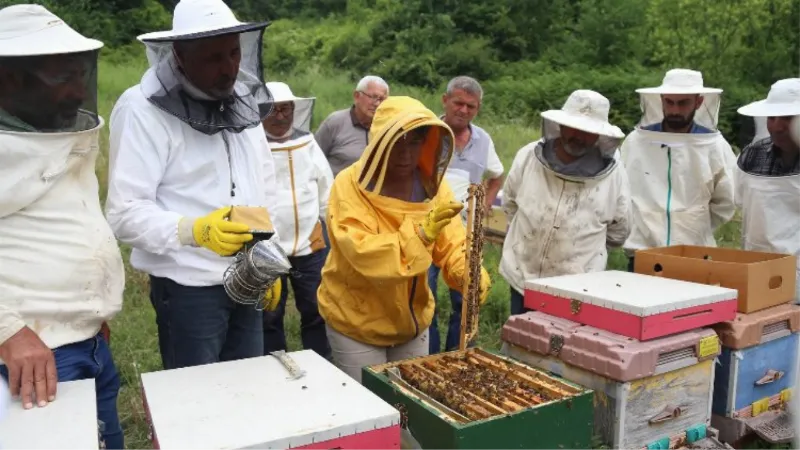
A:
[475,385]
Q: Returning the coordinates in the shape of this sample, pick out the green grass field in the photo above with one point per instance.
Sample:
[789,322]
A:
[134,336]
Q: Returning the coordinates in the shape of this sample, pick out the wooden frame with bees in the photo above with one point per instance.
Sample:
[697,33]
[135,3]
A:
[476,399]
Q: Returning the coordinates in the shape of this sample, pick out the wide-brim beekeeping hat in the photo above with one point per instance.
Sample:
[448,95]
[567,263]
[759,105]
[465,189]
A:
[32,30]
[198,19]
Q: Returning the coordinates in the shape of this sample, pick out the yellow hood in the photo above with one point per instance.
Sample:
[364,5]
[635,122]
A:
[393,118]
[374,284]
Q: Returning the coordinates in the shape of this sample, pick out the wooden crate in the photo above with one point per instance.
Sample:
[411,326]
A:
[70,422]
[545,413]
[252,403]
[651,393]
[634,305]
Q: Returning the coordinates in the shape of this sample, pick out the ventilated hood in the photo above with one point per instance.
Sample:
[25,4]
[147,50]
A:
[395,117]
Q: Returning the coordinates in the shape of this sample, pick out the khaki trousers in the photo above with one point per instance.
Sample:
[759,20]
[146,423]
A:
[350,356]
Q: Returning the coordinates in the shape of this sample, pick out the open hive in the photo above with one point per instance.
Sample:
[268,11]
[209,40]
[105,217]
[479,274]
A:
[476,399]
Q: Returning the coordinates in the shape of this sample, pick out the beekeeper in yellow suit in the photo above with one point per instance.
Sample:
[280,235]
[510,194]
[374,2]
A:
[390,216]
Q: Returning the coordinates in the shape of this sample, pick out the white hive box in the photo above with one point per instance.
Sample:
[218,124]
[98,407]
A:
[252,403]
[70,422]
[638,306]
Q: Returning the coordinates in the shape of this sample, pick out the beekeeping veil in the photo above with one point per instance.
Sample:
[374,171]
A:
[290,117]
[48,73]
[771,204]
[586,111]
[680,81]
[167,86]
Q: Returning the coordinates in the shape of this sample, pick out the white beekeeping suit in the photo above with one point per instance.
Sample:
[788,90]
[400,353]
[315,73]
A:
[681,183]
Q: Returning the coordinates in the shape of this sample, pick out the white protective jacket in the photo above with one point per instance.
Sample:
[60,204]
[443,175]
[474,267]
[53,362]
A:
[162,170]
[681,183]
[62,272]
[304,181]
[560,225]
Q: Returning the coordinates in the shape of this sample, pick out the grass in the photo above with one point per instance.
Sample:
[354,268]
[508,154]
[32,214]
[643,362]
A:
[134,338]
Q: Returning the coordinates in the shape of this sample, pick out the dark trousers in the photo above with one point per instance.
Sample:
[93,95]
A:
[202,325]
[454,325]
[305,280]
[92,359]
[630,263]
[517,303]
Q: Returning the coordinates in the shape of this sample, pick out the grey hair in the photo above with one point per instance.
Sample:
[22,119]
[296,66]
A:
[467,84]
[364,83]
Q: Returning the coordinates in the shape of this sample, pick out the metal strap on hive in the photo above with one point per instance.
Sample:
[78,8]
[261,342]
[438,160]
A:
[774,428]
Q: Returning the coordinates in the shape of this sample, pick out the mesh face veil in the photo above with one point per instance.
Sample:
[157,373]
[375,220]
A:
[49,93]
[235,105]
[290,117]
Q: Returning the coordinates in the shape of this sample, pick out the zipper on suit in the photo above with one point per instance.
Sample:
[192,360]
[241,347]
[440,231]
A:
[411,306]
[294,204]
[230,162]
[556,224]
[669,194]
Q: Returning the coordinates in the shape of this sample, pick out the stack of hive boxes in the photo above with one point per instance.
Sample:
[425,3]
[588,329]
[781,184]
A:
[638,341]
[757,365]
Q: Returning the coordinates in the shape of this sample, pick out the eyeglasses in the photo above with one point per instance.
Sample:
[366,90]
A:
[374,98]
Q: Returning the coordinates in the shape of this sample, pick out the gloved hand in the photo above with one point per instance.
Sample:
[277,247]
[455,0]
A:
[273,296]
[438,218]
[486,284]
[220,235]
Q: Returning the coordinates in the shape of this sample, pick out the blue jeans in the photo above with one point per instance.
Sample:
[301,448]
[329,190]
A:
[92,359]
[202,325]
[305,278]
[454,326]
[517,303]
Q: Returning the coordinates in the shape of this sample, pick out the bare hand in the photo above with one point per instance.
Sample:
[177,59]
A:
[31,368]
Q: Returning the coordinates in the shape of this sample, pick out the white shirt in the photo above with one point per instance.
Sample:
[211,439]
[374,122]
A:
[560,225]
[61,270]
[304,180]
[162,170]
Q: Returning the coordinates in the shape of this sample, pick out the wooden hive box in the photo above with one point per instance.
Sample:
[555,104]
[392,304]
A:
[655,393]
[70,422]
[252,403]
[757,373]
[634,305]
[534,410]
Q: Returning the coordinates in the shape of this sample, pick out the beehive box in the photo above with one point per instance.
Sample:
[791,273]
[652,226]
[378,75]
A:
[762,279]
[655,393]
[634,305]
[477,399]
[253,403]
[757,373]
[70,422]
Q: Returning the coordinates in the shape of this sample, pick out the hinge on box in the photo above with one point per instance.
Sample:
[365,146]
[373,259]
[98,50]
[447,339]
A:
[695,433]
[661,444]
[575,306]
[760,406]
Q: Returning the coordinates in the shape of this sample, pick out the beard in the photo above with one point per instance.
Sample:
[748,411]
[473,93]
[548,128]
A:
[676,122]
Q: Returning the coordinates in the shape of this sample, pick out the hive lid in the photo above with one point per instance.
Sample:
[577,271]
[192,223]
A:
[608,354]
[69,422]
[253,403]
[632,293]
[747,330]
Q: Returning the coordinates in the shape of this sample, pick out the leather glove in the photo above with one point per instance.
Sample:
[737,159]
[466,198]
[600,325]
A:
[273,296]
[486,285]
[438,218]
[220,235]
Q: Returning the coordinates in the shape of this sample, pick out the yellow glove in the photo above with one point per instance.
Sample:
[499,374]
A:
[486,284]
[218,234]
[438,218]
[273,297]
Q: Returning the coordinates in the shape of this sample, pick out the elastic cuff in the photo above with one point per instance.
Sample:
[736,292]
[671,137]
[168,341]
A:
[186,233]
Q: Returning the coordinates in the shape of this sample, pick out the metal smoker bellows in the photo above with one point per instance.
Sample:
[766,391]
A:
[254,271]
